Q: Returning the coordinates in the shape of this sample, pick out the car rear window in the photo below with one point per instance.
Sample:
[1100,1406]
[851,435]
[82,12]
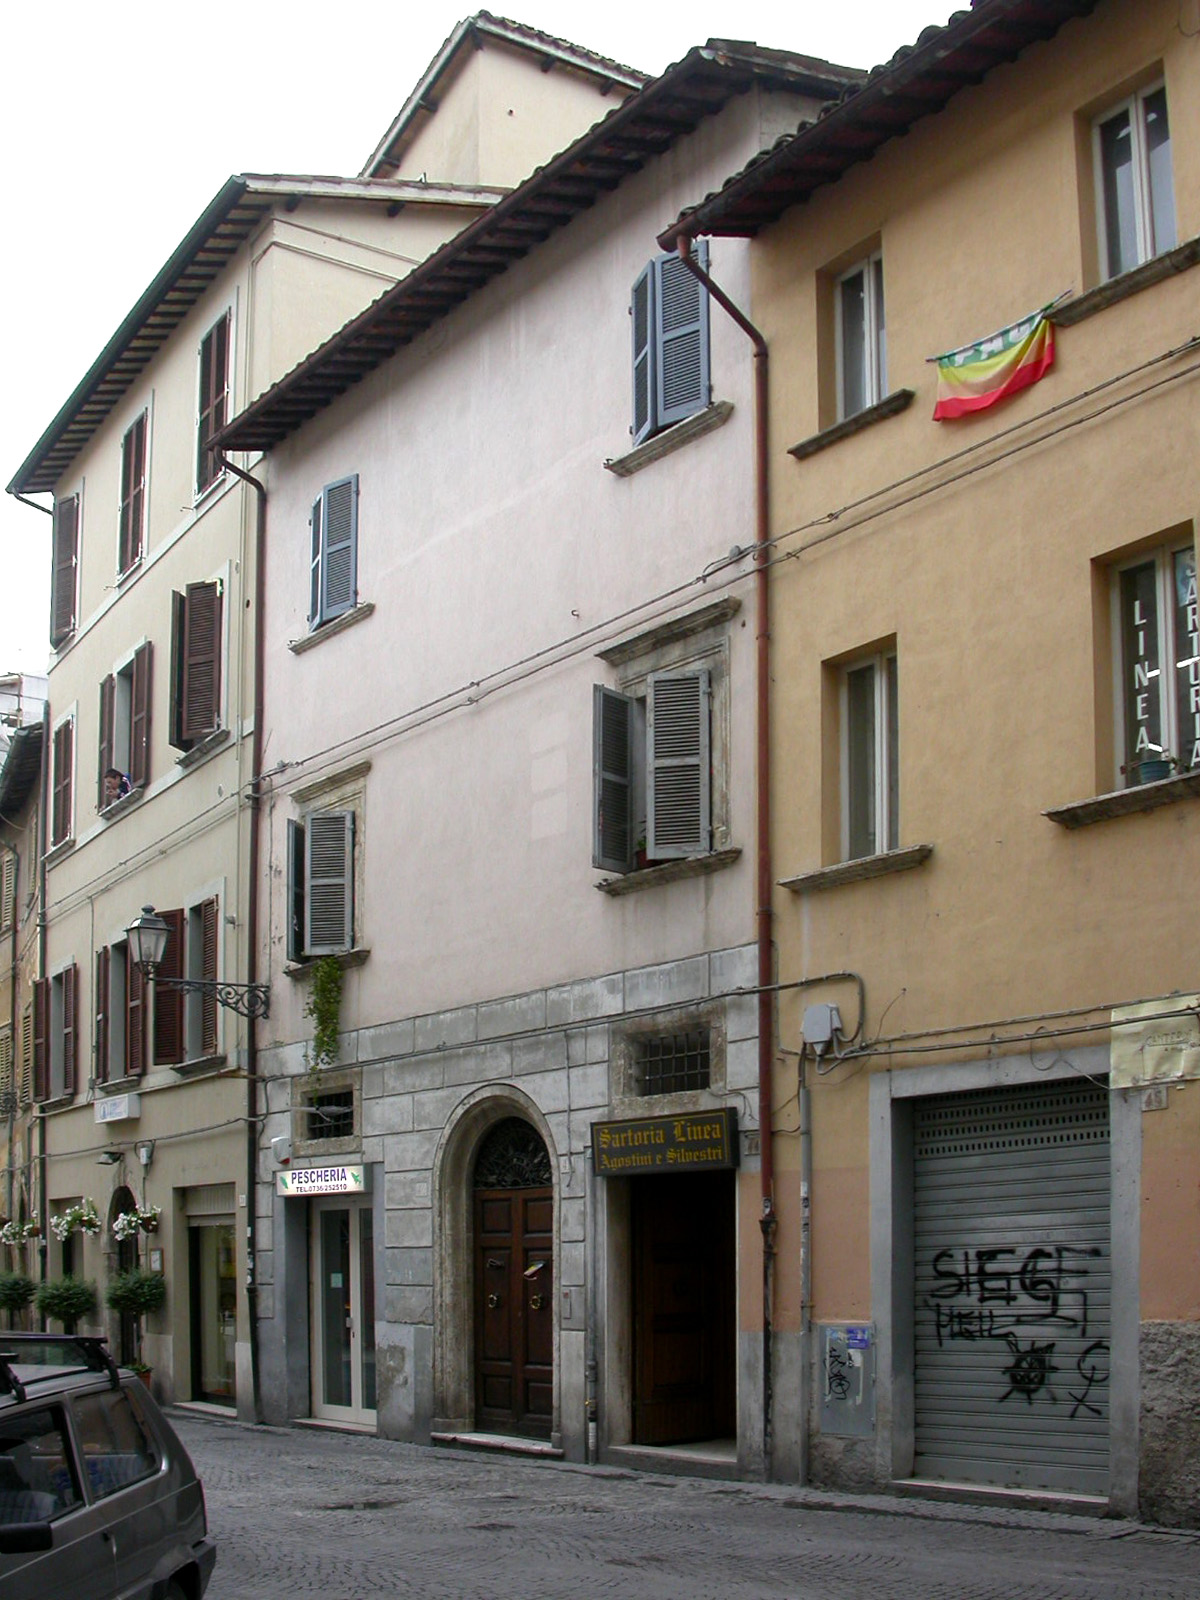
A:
[117,1450]
[36,1480]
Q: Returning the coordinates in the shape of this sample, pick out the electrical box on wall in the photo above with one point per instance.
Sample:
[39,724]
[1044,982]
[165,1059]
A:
[847,1381]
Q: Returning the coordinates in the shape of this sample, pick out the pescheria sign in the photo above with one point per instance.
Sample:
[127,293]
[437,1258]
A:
[321,1180]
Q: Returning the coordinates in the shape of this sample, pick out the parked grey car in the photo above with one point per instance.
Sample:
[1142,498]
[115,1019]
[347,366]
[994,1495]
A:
[98,1498]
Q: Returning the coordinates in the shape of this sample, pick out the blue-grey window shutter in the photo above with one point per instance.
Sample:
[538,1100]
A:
[642,317]
[314,580]
[329,882]
[612,780]
[678,776]
[339,534]
[680,339]
[295,891]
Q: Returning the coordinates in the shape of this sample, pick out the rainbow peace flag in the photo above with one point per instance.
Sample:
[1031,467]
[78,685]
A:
[978,375]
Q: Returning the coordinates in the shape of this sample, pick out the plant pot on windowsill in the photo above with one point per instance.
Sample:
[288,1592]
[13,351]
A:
[143,1371]
[1151,769]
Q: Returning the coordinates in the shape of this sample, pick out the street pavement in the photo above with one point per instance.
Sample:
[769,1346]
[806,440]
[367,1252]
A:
[299,1512]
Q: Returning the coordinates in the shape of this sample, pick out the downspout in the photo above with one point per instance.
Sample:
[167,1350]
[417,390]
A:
[11,1106]
[768,1221]
[260,595]
[43,833]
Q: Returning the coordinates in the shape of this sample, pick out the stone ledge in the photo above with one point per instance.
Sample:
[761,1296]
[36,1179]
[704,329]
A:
[328,629]
[878,866]
[345,959]
[670,439]
[669,872]
[203,748]
[1129,283]
[672,631]
[890,406]
[1125,802]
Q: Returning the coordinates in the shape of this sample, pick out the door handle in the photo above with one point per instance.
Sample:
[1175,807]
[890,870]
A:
[493,1301]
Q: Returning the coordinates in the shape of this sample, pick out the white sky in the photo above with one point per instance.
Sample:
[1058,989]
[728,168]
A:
[118,125]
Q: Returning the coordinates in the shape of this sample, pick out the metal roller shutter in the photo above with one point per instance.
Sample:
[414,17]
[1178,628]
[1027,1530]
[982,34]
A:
[1013,1287]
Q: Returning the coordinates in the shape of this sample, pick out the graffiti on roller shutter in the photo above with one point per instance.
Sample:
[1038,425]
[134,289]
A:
[1031,1302]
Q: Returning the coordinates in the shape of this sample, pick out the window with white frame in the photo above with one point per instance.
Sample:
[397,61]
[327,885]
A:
[861,337]
[121,1009]
[124,748]
[321,884]
[64,563]
[333,582]
[131,535]
[660,741]
[669,313]
[213,404]
[1134,185]
[870,756]
[1158,663]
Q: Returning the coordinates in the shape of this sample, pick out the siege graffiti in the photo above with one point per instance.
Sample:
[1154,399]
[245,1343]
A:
[1001,1293]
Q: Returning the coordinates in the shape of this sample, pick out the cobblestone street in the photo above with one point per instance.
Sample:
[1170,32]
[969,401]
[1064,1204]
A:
[306,1512]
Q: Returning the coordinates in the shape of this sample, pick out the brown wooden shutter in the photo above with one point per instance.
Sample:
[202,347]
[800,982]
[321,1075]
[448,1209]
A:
[108,698]
[139,725]
[201,661]
[103,964]
[214,392]
[133,494]
[64,754]
[168,1002]
[70,1040]
[64,562]
[135,1017]
[41,1039]
[208,971]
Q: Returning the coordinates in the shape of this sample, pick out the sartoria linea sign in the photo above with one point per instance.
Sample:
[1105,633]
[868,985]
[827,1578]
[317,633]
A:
[699,1141]
[321,1180]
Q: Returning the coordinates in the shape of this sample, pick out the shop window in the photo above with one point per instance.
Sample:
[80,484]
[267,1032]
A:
[870,756]
[1134,183]
[1158,667]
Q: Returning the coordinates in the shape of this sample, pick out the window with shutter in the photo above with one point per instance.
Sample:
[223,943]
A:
[25,1080]
[103,957]
[168,1001]
[7,1055]
[133,496]
[334,570]
[65,560]
[208,971]
[677,766]
[328,882]
[41,1039]
[214,399]
[62,783]
[108,702]
[70,1028]
[8,889]
[196,620]
[612,770]
[296,897]
[135,1017]
[669,315]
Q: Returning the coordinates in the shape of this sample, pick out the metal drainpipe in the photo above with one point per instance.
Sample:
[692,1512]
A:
[260,592]
[766,975]
[43,834]
[11,1107]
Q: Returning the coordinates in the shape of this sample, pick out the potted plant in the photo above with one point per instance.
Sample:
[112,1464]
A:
[65,1300]
[136,1293]
[1152,768]
[81,1218]
[16,1291]
[144,1219]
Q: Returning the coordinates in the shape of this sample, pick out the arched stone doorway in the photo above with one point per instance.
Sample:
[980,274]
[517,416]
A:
[496,1241]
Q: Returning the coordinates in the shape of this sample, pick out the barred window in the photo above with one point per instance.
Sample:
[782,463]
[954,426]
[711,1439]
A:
[673,1062]
[330,1115]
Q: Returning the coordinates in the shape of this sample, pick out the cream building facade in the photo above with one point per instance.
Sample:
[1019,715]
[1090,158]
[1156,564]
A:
[148,1094]
[985,715]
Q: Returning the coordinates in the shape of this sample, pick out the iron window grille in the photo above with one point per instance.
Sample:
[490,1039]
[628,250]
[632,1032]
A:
[673,1063]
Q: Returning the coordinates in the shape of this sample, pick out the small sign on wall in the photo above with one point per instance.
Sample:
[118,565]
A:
[700,1141]
[306,1181]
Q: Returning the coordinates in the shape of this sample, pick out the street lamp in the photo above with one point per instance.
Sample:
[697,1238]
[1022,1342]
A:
[147,937]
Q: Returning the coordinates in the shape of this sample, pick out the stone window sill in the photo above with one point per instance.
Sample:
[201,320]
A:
[1125,802]
[119,807]
[669,872]
[202,749]
[328,629]
[57,852]
[879,866]
[199,1065]
[1129,283]
[670,439]
[890,406]
[346,960]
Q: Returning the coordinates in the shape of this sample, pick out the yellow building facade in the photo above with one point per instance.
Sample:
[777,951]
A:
[985,722]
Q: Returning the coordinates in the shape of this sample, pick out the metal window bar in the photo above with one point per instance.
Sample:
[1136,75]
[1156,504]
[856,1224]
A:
[670,1063]
[331,1116]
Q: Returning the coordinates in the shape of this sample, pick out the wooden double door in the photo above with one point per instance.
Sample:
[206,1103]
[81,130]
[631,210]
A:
[514,1310]
[684,1308]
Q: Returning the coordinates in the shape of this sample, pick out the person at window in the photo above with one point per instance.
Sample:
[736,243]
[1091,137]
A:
[117,785]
